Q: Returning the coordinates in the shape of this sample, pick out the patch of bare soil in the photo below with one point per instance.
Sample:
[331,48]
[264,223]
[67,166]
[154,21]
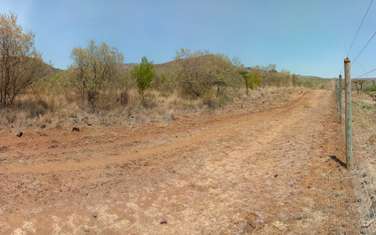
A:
[233,172]
[364,175]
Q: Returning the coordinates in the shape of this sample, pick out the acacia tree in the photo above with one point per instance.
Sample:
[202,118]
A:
[20,64]
[93,67]
[144,74]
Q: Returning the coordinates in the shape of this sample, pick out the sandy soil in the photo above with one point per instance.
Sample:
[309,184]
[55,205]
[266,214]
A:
[267,172]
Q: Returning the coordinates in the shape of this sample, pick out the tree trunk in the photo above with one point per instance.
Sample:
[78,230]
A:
[246,86]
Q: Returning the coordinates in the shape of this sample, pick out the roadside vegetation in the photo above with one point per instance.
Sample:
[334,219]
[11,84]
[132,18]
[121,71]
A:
[364,142]
[100,85]
[365,86]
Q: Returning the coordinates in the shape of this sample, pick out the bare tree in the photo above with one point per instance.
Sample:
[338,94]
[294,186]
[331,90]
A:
[20,64]
[93,67]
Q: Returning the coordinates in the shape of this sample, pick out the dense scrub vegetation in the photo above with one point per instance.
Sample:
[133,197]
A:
[99,80]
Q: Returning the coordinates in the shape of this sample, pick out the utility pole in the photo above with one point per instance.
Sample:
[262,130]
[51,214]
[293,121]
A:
[337,95]
[348,112]
[340,98]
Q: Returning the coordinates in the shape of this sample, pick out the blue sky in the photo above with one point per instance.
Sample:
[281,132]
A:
[305,37]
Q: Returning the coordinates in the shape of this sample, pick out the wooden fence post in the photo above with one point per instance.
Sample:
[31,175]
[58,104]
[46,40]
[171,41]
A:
[348,112]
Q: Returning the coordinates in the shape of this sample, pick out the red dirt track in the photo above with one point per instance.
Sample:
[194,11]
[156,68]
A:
[268,172]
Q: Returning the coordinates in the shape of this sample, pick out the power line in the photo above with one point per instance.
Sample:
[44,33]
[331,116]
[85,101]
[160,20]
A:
[366,73]
[359,27]
[364,47]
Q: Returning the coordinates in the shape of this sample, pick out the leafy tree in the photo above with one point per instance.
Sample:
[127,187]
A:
[199,74]
[20,64]
[252,79]
[144,74]
[93,67]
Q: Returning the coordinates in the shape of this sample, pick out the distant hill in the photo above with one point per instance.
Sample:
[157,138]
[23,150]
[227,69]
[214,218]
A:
[372,79]
[128,66]
[170,66]
[171,63]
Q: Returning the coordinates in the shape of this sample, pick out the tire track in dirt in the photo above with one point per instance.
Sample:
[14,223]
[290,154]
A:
[118,154]
[263,173]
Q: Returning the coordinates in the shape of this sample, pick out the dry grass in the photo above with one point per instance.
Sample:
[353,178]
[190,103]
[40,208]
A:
[60,111]
[364,112]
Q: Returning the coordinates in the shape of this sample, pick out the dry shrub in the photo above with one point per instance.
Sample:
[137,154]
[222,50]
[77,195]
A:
[165,83]
[199,75]
[149,101]
[124,98]
[94,69]
[24,113]
[213,101]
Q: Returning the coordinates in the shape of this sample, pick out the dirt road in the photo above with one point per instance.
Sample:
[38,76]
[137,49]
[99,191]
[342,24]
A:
[270,172]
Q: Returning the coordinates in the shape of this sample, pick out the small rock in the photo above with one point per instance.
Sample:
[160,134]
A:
[19,134]
[276,175]
[75,129]
[52,146]
[42,134]
[43,126]
[298,217]
[163,221]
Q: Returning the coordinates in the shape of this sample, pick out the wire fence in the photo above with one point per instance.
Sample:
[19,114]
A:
[366,200]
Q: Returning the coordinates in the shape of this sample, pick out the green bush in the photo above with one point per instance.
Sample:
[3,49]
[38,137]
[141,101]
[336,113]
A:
[252,79]
[144,74]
